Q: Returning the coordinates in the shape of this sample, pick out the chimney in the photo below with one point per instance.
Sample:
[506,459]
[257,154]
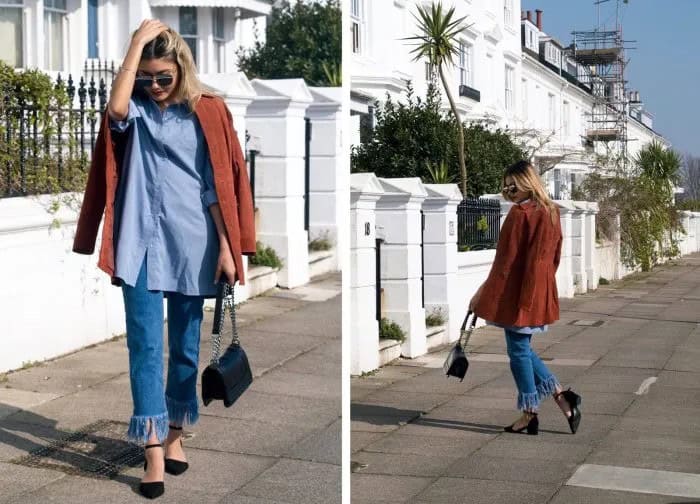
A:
[539,19]
[522,15]
[529,16]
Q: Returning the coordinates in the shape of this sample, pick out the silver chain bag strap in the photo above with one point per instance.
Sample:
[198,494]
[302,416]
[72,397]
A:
[227,376]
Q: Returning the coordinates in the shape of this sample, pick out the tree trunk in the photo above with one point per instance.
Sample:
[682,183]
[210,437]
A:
[460,132]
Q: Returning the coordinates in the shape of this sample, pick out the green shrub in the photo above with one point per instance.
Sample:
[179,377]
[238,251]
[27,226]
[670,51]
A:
[643,199]
[389,329]
[435,318]
[302,40]
[603,281]
[321,242]
[416,138]
[46,108]
[690,204]
[482,224]
[265,256]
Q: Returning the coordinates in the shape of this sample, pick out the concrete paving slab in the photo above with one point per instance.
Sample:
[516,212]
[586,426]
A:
[318,362]
[298,481]
[405,464]
[213,472]
[637,480]
[652,441]
[16,480]
[278,408]
[382,488]
[459,490]
[324,446]
[247,436]
[399,443]
[483,467]
[123,489]
[679,379]
[358,439]
[281,381]
[644,458]
[13,400]
[521,446]
[611,378]
[581,495]
[406,400]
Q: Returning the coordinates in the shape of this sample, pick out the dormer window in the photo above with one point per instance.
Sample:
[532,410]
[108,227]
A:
[552,54]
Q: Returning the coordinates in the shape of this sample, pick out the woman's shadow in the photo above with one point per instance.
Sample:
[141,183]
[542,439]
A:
[87,452]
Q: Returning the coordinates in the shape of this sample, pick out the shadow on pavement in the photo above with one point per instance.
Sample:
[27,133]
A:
[374,414]
[83,452]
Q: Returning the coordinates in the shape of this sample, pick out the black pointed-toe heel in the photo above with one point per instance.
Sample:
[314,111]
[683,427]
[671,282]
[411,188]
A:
[574,401]
[175,467]
[532,427]
[152,489]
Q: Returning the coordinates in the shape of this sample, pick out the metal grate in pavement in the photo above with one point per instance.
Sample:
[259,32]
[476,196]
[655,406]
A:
[99,450]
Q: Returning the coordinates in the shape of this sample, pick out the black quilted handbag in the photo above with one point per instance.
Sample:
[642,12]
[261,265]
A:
[227,376]
[457,363]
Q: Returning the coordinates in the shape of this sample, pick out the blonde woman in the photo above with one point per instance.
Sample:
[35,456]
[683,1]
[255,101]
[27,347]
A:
[520,294]
[169,173]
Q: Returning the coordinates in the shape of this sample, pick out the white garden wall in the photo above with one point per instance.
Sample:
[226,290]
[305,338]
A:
[52,301]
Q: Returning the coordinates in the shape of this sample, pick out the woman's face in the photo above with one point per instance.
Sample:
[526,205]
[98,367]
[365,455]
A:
[512,192]
[158,78]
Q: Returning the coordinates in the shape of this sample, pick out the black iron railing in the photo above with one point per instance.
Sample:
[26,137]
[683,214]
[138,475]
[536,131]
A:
[47,148]
[478,223]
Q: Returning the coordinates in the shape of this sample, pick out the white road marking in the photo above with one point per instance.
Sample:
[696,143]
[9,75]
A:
[644,387]
[629,479]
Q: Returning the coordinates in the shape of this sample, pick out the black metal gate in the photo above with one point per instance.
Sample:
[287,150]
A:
[307,170]
[422,257]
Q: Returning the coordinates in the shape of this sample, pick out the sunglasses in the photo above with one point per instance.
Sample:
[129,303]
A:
[510,189]
[143,82]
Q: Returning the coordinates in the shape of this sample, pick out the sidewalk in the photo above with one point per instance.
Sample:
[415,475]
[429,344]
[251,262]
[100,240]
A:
[632,350]
[279,443]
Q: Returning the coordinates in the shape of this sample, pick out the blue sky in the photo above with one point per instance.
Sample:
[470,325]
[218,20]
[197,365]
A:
[664,68]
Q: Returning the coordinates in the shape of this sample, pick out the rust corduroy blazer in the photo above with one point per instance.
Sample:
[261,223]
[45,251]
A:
[230,180]
[521,289]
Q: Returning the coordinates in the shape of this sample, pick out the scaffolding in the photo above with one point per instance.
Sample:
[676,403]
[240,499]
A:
[601,54]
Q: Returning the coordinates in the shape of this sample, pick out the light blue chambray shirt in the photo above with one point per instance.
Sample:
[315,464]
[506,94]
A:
[162,203]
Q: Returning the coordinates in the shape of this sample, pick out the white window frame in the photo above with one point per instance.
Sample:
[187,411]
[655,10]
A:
[523,98]
[551,112]
[356,22]
[466,68]
[61,13]
[508,12]
[566,118]
[509,78]
[19,4]
[219,39]
[190,36]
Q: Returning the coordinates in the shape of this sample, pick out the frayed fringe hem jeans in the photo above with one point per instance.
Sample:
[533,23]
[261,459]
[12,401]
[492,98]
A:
[153,405]
[534,380]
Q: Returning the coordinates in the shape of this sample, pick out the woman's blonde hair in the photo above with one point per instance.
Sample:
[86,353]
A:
[526,179]
[169,45]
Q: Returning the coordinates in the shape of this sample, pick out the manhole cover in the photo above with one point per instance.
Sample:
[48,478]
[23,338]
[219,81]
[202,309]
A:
[99,450]
[587,323]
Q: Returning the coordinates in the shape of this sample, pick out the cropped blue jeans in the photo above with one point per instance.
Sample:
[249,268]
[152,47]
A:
[177,403]
[532,378]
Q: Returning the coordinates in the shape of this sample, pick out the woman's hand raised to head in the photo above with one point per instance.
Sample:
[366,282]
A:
[123,85]
[149,30]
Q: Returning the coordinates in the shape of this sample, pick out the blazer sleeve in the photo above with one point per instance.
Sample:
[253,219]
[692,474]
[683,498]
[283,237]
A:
[244,195]
[93,204]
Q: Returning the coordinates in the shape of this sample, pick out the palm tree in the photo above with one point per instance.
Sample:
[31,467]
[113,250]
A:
[438,43]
